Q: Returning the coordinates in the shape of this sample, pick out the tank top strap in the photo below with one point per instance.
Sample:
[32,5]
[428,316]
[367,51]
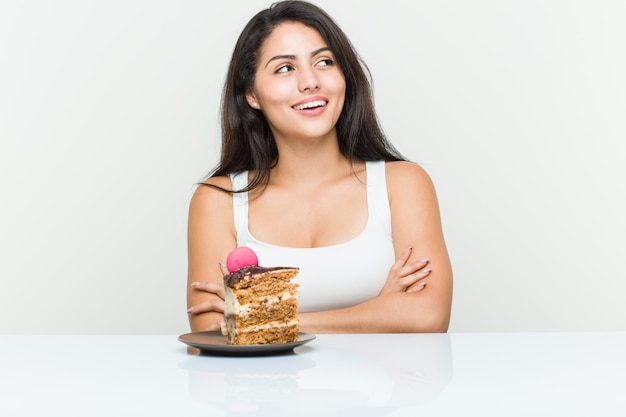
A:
[240,203]
[377,197]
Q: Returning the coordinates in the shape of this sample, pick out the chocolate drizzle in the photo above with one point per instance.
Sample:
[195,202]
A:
[248,272]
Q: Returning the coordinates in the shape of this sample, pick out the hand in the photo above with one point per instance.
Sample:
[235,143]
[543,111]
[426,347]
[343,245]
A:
[405,277]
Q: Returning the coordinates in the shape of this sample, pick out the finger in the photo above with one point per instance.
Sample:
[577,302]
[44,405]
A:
[402,259]
[213,325]
[216,325]
[419,286]
[413,267]
[212,287]
[207,306]
[413,279]
[224,268]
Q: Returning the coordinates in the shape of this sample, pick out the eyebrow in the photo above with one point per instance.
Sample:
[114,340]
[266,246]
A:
[293,57]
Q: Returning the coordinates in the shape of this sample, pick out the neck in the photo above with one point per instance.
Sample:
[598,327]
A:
[304,162]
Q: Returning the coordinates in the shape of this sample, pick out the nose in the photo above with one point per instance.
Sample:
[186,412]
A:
[308,80]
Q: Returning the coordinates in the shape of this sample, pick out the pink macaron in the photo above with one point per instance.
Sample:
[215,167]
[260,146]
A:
[240,257]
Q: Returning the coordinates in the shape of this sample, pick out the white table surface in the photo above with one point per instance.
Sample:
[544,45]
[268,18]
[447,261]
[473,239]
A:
[463,374]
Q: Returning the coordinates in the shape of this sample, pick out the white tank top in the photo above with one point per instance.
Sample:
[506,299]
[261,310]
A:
[334,276]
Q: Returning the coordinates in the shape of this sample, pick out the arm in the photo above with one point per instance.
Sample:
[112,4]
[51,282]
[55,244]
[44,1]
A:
[210,236]
[416,224]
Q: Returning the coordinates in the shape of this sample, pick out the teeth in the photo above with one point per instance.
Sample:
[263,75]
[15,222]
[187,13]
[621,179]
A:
[310,104]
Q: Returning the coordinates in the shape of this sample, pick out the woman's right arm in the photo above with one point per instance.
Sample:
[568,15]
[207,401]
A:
[210,236]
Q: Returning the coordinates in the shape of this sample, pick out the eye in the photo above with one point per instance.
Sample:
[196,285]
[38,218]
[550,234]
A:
[284,69]
[326,62]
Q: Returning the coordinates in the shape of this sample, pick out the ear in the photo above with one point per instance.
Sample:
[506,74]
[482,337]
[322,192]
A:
[252,101]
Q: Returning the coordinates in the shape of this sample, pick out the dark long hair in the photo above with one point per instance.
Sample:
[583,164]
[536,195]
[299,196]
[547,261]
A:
[247,140]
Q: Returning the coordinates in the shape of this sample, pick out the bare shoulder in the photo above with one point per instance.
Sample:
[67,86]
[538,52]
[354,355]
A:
[211,201]
[403,176]
[395,168]
[211,191]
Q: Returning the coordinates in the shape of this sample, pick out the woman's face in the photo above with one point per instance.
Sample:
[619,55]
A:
[298,85]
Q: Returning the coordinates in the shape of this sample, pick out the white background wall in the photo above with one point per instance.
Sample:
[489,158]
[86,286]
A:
[109,114]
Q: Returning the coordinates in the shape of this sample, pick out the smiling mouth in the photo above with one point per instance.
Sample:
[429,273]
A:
[310,105]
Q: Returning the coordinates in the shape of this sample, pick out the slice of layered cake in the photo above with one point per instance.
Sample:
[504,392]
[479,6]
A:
[261,305]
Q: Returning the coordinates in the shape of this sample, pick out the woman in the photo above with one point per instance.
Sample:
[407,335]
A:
[307,179]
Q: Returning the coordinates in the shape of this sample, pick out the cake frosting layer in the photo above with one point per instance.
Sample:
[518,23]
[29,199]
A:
[255,270]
